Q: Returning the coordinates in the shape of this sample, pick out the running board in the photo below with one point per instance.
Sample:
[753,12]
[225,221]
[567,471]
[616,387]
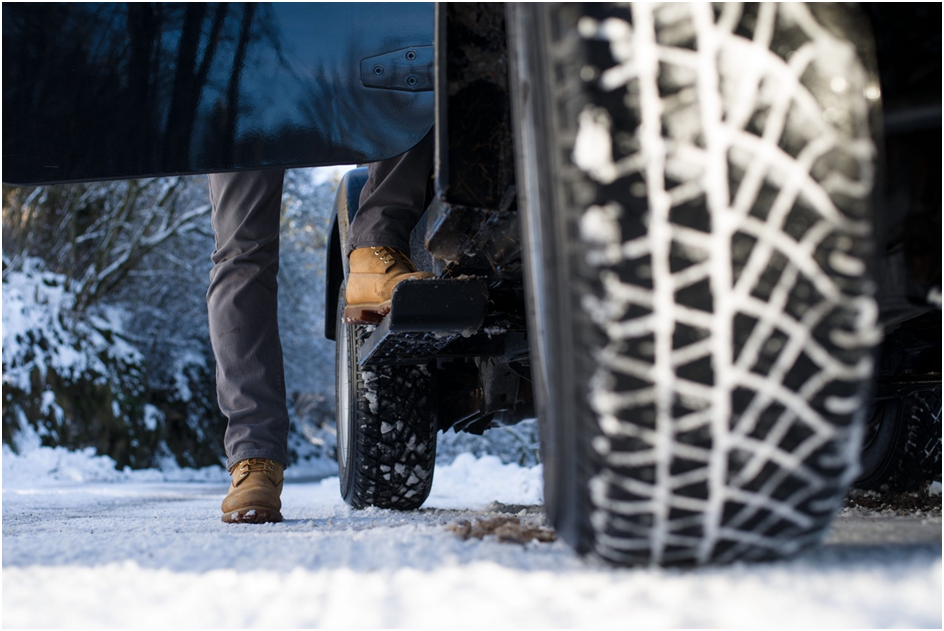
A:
[425,317]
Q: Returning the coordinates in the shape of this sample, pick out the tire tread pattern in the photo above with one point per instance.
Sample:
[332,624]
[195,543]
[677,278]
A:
[394,438]
[731,313]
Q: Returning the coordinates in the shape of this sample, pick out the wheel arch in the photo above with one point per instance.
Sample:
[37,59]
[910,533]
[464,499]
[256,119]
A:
[345,206]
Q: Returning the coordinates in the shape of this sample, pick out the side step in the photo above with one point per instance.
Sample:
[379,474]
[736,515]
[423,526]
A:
[425,317]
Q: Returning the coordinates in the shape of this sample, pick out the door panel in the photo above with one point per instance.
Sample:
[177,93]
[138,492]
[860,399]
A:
[120,90]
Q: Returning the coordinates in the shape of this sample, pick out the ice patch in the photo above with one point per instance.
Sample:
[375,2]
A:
[839,405]
[593,148]
[845,264]
[600,225]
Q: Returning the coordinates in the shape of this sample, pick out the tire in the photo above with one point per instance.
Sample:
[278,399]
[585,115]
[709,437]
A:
[386,427]
[902,449]
[701,372]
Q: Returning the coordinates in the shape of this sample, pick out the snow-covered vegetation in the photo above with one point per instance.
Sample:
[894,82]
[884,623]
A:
[105,342]
[105,338]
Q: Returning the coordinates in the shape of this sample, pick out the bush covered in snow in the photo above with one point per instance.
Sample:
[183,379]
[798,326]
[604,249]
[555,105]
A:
[516,444]
[105,339]
[71,378]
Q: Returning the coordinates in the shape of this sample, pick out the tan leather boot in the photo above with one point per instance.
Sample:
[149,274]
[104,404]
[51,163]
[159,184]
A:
[253,496]
[375,271]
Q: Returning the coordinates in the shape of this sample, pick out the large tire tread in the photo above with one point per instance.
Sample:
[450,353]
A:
[396,438]
[387,427]
[723,350]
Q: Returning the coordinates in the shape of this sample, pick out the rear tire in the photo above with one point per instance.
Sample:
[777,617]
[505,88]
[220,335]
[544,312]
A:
[386,427]
[902,450]
[697,230]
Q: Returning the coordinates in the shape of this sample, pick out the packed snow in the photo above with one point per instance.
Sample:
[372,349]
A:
[85,545]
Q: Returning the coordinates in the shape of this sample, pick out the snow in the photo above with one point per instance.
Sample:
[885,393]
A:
[85,545]
[37,305]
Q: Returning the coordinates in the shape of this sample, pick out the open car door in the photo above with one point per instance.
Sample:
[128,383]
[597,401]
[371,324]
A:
[125,90]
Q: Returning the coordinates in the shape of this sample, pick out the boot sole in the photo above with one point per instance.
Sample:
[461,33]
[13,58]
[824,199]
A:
[252,515]
[366,313]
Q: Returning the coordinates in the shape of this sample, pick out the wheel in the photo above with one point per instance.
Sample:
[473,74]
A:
[696,229]
[902,448]
[386,427]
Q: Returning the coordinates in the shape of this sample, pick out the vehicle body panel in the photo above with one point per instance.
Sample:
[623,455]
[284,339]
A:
[109,91]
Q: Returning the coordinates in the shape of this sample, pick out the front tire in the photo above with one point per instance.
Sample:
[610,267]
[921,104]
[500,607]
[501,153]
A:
[697,232]
[386,427]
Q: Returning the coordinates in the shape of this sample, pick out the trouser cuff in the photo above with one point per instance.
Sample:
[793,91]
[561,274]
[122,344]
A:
[278,456]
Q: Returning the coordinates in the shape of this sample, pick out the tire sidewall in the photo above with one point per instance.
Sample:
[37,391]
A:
[346,374]
[553,321]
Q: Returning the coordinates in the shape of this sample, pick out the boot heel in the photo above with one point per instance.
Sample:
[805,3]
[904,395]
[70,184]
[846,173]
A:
[366,314]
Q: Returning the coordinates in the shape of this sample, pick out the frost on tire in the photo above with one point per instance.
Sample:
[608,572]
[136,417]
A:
[386,426]
[724,165]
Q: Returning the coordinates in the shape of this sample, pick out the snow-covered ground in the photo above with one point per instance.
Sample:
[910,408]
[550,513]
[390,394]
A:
[86,546]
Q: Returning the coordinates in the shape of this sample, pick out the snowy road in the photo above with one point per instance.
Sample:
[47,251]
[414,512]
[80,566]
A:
[135,553]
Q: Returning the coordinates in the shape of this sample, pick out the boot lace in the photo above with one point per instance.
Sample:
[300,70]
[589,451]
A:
[255,465]
[389,255]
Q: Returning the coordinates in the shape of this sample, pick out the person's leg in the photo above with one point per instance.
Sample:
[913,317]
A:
[391,203]
[242,301]
[393,199]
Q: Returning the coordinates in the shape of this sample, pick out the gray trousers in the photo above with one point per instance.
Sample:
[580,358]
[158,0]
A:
[242,299]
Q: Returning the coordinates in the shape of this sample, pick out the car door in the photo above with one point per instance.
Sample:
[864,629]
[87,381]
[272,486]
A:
[123,90]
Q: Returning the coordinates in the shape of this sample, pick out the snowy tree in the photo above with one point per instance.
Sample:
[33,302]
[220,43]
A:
[131,260]
[95,243]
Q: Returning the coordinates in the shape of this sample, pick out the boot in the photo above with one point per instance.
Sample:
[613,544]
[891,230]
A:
[253,496]
[375,271]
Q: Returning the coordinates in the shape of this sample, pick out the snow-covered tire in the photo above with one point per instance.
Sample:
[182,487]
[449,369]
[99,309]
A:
[386,427]
[697,228]
[902,450]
